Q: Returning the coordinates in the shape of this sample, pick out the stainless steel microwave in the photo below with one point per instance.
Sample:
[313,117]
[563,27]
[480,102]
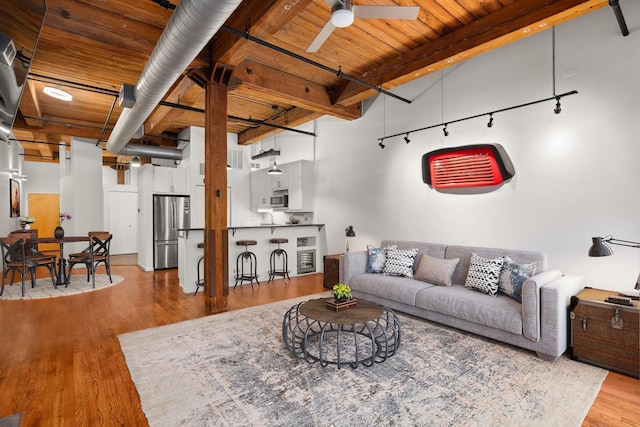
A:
[280,200]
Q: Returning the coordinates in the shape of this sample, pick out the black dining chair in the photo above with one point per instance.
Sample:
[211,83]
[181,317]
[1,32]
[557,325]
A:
[16,257]
[97,252]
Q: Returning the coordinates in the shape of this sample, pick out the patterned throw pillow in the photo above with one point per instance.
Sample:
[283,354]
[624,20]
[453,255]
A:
[484,274]
[436,270]
[377,258]
[400,262]
[513,276]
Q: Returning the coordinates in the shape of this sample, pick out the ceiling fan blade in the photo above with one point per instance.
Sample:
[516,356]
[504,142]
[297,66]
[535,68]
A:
[321,37]
[386,12]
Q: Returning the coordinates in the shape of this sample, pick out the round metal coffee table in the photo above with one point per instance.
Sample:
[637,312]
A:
[363,335]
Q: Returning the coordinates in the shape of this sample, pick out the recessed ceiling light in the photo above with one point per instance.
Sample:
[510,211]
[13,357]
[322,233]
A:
[526,30]
[58,93]
[542,24]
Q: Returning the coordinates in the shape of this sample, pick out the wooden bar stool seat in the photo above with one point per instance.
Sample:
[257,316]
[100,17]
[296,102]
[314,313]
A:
[246,264]
[279,261]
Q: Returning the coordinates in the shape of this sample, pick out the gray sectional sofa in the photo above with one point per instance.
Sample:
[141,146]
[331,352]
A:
[539,323]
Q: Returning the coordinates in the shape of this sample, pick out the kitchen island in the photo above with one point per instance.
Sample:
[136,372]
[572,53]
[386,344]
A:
[306,245]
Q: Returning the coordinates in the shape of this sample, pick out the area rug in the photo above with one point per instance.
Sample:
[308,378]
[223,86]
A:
[44,288]
[233,369]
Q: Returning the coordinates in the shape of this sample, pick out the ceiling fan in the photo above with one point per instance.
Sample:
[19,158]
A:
[343,12]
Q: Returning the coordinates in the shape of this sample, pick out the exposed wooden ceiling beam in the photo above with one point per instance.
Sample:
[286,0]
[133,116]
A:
[471,40]
[293,118]
[285,88]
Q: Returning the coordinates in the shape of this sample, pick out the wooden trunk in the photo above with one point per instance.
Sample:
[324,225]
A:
[605,334]
[331,270]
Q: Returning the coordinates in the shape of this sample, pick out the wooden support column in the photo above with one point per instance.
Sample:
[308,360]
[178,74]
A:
[216,277]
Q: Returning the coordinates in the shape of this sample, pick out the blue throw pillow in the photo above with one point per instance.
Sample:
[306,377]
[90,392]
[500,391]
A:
[513,276]
[377,258]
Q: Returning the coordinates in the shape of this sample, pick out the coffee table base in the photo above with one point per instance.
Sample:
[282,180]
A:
[341,344]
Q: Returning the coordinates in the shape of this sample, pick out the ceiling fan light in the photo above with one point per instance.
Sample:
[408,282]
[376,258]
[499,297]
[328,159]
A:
[342,18]
[57,93]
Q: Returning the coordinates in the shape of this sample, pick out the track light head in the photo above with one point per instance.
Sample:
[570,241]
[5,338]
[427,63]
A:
[406,138]
[381,145]
[557,110]
[445,131]
[490,124]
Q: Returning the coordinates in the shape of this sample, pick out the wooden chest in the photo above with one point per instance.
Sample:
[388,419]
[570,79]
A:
[605,334]
[331,270]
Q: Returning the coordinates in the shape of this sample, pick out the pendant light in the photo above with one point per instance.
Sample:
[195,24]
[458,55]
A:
[274,170]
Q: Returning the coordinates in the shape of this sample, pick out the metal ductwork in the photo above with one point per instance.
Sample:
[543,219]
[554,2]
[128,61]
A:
[191,27]
[151,151]
[619,16]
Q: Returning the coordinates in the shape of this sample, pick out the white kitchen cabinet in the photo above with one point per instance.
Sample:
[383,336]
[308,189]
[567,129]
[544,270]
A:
[280,182]
[301,184]
[170,180]
[260,190]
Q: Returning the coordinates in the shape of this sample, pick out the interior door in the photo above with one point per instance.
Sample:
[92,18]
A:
[45,208]
[123,222]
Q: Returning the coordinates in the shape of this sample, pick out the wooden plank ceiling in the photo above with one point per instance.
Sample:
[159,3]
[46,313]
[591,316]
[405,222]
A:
[90,48]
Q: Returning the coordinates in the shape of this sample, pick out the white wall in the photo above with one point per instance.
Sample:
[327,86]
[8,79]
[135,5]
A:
[577,173]
[11,167]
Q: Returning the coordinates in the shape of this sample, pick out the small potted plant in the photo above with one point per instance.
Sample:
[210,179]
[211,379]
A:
[341,292]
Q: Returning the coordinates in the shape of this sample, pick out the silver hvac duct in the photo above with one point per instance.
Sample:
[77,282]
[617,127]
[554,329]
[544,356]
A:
[151,151]
[190,28]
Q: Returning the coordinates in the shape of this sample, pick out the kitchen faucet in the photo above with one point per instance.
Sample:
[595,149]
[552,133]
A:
[270,214]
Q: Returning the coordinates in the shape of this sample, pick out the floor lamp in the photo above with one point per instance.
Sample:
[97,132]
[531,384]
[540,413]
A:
[600,247]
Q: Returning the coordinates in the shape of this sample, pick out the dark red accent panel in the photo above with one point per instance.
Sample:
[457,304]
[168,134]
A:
[467,166]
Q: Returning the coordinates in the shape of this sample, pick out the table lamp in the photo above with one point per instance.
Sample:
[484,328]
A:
[349,233]
[600,247]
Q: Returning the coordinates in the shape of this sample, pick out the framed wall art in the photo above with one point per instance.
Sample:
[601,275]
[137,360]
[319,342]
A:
[14,198]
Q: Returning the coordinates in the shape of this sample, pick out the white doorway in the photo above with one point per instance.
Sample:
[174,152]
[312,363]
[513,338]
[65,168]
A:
[123,221]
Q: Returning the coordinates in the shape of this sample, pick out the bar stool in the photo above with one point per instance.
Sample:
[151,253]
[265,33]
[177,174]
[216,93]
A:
[249,259]
[199,281]
[279,255]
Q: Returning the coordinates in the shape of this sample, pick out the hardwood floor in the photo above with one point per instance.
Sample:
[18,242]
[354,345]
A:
[61,364]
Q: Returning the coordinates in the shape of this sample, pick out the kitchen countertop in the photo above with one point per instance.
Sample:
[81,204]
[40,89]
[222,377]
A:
[271,226]
[274,226]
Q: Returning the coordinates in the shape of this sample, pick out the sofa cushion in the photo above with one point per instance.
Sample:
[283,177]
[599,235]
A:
[377,258]
[500,312]
[464,253]
[484,274]
[400,262]
[436,270]
[394,288]
[513,276]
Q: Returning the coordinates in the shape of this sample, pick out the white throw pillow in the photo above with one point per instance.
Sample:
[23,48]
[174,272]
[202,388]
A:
[484,274]
[400,262]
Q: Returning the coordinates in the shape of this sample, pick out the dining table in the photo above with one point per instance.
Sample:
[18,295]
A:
[62,278]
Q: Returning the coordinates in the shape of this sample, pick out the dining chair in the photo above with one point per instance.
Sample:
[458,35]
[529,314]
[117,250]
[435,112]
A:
[97,252]
[15,257]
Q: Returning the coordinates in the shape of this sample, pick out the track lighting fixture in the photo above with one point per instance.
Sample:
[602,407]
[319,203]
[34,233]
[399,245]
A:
[444,130]
[490,124]
[557,110]
[135,162]
[406,138]
[228,167]
[381,145]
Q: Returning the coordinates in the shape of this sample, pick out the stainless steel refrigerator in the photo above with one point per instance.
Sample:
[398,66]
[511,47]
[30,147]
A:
[170,213]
